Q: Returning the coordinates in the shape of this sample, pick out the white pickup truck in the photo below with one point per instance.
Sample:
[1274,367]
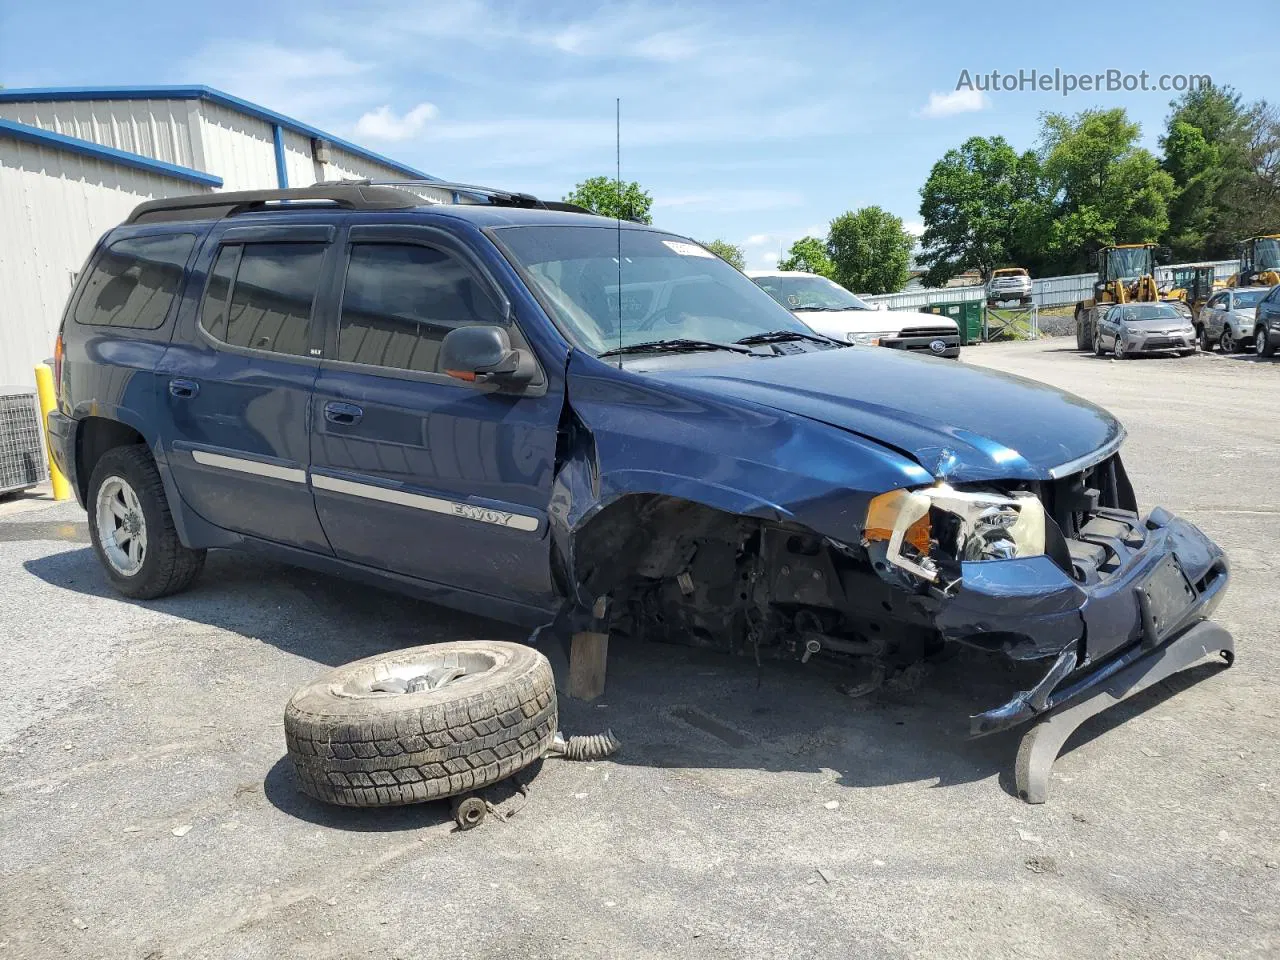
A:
[834,312]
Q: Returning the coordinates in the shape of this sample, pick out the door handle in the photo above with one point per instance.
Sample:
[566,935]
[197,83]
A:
[344,414]
[183,389]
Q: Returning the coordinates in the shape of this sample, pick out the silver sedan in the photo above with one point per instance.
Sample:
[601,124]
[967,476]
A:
[1127,329]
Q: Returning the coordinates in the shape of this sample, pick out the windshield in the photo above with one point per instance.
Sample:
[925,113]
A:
[1144,311]
[671,288]
[1247,298]
[810,293]
[1267,254]
[1129,263]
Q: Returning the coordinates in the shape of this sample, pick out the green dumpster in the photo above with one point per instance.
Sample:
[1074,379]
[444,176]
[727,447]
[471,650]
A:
[968,317]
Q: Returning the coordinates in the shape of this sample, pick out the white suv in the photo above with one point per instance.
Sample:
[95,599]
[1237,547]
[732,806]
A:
[834,312]
[1009,283]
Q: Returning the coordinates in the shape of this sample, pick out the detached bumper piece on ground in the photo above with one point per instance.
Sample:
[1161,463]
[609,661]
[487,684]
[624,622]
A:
[443,721]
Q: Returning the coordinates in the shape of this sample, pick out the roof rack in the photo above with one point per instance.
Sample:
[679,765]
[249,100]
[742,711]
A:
[441,191]
[350,195]
[347,194]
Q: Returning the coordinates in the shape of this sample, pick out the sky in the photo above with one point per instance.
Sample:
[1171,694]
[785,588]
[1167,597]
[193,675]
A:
[749,122]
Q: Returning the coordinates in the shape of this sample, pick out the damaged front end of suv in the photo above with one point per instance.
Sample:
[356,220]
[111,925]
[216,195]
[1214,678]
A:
[1052,565]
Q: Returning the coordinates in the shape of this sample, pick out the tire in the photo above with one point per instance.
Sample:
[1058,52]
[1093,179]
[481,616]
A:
[126,481]
[1263,345]
[356,747]
[1227,343]
[1024,300]
[1206,344]
[1097,346]
[1117,349]
[1082,342]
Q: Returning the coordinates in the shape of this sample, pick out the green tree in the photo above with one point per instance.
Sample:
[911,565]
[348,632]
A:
[1102,187]
[1206,151]
[870,251]
[809,255]
[730,253]
[979,205]
[608,198]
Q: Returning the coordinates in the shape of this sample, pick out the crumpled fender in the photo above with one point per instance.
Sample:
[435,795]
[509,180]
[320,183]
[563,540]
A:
[626,434]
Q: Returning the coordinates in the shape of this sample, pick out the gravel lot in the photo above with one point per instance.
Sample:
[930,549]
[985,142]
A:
[146,811]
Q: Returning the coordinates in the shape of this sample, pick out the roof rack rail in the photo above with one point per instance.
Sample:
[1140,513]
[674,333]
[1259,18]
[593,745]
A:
[350,195]
[442,191]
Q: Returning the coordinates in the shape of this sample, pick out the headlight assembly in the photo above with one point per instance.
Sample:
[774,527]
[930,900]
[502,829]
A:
[920,529]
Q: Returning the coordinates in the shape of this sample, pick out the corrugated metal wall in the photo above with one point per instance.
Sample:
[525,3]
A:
[239,149]
[160,129]
[54,206]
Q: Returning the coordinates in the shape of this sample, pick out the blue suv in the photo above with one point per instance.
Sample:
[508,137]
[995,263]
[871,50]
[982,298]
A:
[522,410]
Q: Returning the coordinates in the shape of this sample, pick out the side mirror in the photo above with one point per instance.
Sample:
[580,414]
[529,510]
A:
[483,354]
[1164,255]
[1093,258]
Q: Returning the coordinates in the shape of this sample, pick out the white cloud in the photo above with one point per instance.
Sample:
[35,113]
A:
[769,257]
[307,82]
[731,200]
[913,227]
[758,239]
[382,124]
[958,101]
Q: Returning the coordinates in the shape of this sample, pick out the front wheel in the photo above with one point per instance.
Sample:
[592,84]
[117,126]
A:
[1117,350]
[132,529]
[1263,345]
[1098,350]
[1227,342]
[1206,342]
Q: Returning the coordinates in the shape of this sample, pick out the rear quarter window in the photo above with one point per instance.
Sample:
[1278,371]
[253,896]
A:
[134,282]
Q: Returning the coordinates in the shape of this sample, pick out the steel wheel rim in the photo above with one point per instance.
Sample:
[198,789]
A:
[421,673]
[122,526]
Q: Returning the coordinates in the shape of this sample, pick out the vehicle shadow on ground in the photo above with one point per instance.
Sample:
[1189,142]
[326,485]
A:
[322,618]
[672,707]
[679,708]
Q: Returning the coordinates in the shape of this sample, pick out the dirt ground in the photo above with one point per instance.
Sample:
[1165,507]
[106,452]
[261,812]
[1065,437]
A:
[146,810]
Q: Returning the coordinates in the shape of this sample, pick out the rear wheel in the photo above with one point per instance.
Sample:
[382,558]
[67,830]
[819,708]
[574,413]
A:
[132,529]
[1263,344]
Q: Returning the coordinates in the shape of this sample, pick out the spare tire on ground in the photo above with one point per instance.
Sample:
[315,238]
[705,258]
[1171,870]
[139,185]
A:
[422,723]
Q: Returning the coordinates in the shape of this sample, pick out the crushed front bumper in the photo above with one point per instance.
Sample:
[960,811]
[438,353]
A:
[1139,586]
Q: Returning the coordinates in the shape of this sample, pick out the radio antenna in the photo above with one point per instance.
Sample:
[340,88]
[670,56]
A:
[617,156]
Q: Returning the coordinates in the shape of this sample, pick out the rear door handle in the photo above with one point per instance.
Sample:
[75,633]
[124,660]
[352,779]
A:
[183,389]
[344,414]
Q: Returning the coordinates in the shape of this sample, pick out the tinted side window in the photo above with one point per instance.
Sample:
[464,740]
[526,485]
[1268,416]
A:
[134,282]
[400,301]
[260,296]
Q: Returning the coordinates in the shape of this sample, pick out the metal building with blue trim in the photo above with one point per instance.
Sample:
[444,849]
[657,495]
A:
[75,161]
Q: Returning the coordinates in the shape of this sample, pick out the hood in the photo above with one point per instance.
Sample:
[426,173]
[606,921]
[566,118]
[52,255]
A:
[838,324]
[957,421]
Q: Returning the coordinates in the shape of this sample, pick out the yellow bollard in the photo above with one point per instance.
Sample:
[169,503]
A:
[49,400]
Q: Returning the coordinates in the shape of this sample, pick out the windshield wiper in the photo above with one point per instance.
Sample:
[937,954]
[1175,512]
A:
[815,309]
[678,345]
[781,336]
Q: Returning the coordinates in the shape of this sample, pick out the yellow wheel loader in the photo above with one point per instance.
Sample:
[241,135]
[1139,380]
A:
[1259,262]
[1126,274]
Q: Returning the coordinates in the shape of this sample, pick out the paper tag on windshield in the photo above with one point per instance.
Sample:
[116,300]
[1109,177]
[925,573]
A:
[687,249]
